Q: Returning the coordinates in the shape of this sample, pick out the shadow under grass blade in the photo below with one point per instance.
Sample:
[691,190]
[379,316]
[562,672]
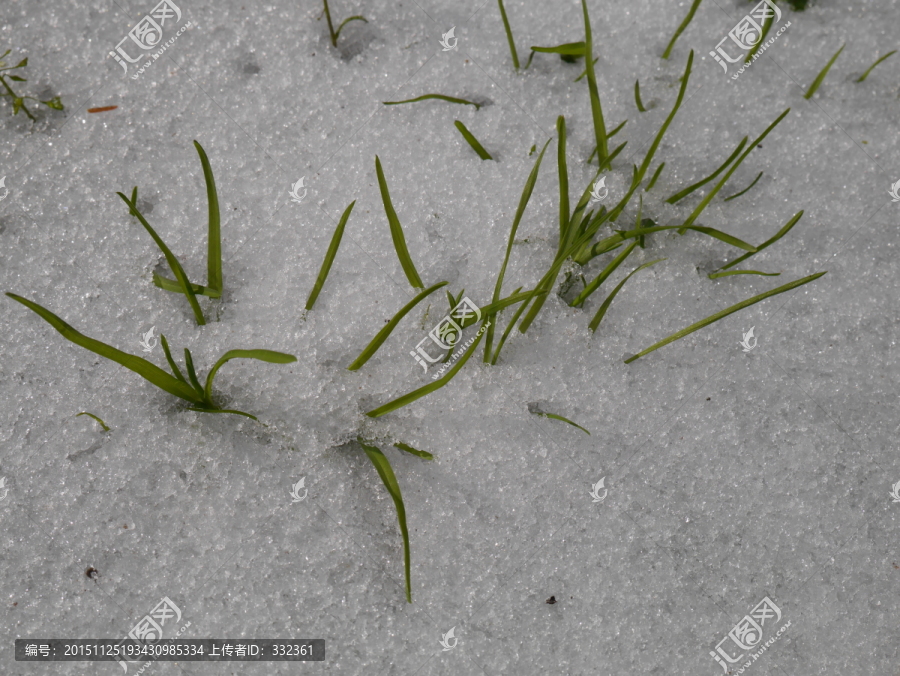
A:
[724,313]
[329,257]
[472,141]
[397,230]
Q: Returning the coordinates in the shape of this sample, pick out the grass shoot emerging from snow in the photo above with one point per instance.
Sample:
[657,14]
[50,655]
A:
[336,33]
[821,76]
[102,424]
[397,231]
[681,27]
[872,67]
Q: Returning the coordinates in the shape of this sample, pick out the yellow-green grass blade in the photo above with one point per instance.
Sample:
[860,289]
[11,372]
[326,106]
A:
[174,265]
[724,313]
[872,67]
[270,356]
[716,275]
[656,176]
[595,322]
[383,467]
[192,374]
[329,257]
[596,109]
[637,97]
[356,17]
[821,76]
[410,397]
[472,141]
[440,97]
[553,416]
[172,364]
[383,334]
[142,367]
[415,451]
[397,230]
[102,424]
[758,176]
[778,235]
[214,251]
[509,35]
[699,184]
[681,27]
[599,279]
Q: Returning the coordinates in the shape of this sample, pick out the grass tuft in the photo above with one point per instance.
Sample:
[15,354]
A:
[441,97]
[329,257]
[102,424]
[872,67]
[476,146]
[397,231]
[821,76]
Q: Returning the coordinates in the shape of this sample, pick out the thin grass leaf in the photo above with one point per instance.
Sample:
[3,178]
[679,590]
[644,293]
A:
[712,193]
[329,256]
[476,146]
[638,221]
[778,235]
[821,76]
[142,367]
[170,285]
[383,334]
[637,97]
[330,26]
[220,410]
[767,23]
[607,163]
[559,417]
[563,171]
[758,176]
[172,364]
[596,109]
[397,231]
[575,49]
[724,313]
[872,67]
[681,27]
[383,467]
[102,424]
[509,36]
[699,184]
[410,397]
[595,322]
[357,17]
[599,279]
[584,72]
[269,356]
[414,451]
[192,374]
[441,97]
[616,130]
[509,327]
[716,275]
[655,176]
[174,265]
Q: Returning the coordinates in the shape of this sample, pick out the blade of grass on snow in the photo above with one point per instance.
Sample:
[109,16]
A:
[569,49]
[329,257]
[397,231]
[596,109]
[599,279]
[476,146]
[441,97]
[681,27]
[172,364]
[270,356]
[414,451]
[821,76]
[699,184]
[724,313]
[656,176]
[559,417]
[356,17]
[102,424]
[778,235]
[871,68]
[716,275]
[738,194]
[192,374]
[595,322]
[637,97]
[509,36]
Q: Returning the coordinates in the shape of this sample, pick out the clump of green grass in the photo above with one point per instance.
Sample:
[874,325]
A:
[397,230]
[335,33]
[681,27]
[872,67]
[821,76]
[329,257]
[440,97]
[18,102]
[472,141]
[102,424]
[200,397]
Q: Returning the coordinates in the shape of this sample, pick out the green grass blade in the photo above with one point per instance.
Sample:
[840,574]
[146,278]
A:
[410,397]
[476,146]
[778,235]
[596,109]
[142,367]
[599,279]
[509,36]
[357,17]
[174,265]
[559,417]
[712,193]
[397,230]
[512,322]
[330,26]
[872,67]
[699,184]
[214,251]
[414,451]
[766,25]
[595,322]
[102,424]
[329,256]
[440,97]
[383,467]
[575,49]
[716,275]
[711,232]
[192,374]
[584,72]
[563,171]
[383,334]
[656,176]
[220,410]
[171,285]
[758,176]
[269,356]
[821,76]
[637,97]
[172,364]
[616,130]
[724,313]
[681,27]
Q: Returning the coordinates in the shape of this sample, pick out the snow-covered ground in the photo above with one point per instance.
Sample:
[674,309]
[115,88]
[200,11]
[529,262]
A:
[729,476]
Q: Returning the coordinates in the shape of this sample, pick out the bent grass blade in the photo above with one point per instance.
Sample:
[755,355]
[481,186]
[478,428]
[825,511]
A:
[716,275]
[415,451]
[440,97]
[778,235]
[758,176]
[102,424]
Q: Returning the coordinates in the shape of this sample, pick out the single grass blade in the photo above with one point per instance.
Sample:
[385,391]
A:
[758,176]
[584,72]
[214,244]
[174,265]
[637,97]
[440,97]
[509,326]
[102,424]
[410,397]
[656,176]
[595,322]
[414,451]
[680,29]
[476,146]
[562,167]
[142,367]
[596,109]
[559,417]
[616,130]
[171,285]
[872,67]
[172,364]
[724,313]
[599,279]
[397,231]
[192,374]
[356,17]
[270,356]
[699,184]
[383,334]
[778,235]
[716,275]
[509,36]
[329,257]
[821,76]
[571,49]
[220,410]
[383,467]
[766,25]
